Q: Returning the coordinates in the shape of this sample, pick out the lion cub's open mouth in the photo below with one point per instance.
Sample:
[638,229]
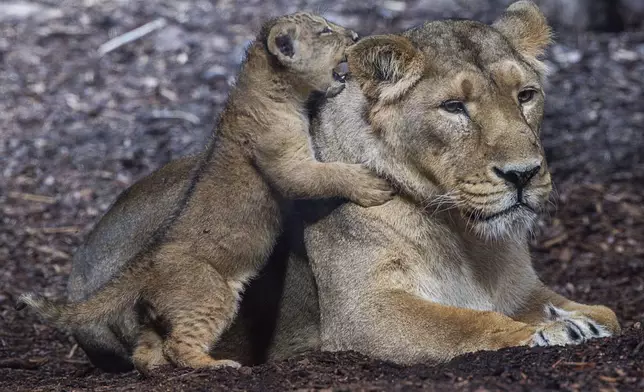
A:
[341,71]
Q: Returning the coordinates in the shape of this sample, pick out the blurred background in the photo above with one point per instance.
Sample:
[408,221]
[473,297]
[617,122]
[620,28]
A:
[77,128]
[66,113]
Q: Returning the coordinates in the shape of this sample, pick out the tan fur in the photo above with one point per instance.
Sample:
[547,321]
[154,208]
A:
[408,281]
[526,28]
[396,56]
[224,229]
[444,269]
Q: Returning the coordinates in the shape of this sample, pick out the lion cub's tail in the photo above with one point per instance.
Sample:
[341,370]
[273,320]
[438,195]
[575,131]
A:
[104,304]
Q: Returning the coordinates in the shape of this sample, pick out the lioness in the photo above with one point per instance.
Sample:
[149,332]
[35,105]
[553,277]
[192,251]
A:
[450,112]
[413,280]
[225,226]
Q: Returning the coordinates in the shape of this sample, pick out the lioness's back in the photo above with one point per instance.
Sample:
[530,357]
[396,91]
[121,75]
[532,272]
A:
[129,223]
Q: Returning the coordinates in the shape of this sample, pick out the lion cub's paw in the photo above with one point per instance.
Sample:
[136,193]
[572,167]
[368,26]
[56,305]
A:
[564,327]
[368,190]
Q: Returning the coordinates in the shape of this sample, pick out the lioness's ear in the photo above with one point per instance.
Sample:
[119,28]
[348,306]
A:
[525,26]
[282,42]
[385,66]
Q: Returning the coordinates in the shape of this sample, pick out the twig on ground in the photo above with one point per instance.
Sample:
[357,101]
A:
[72,351]
[173,114]
[580,365]
[130,36]
[32,197]
[53,230]
[53,252]
[608,379]
[17,363]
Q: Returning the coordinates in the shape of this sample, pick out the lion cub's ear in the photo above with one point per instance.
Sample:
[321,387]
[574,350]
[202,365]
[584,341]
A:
[385,66]
[282,42]
[525,26]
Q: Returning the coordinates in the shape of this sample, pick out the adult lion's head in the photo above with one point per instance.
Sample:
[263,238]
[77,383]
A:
[451,111]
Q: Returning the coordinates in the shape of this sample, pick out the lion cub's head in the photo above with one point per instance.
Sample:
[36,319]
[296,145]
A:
[462,103]
[309,47]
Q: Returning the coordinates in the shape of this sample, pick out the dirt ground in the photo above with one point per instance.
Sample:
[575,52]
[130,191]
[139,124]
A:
[76,130]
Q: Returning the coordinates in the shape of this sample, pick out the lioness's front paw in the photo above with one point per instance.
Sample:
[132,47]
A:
[368,190]
[564,327]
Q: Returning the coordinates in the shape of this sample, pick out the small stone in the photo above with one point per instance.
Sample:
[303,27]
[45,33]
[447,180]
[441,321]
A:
[592,115]
[73,101]
[246,370]
[150,82]
[565,255]
[304,362]
[182,58]
[49,181]
[89,77]
[123,178]
[38,88]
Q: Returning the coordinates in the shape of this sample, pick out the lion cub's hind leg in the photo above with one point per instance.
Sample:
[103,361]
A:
[198,308]
[148,353]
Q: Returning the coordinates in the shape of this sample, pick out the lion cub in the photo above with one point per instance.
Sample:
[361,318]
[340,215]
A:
[193,272]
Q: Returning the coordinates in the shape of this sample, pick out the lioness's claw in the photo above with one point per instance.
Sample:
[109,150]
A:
[564,328]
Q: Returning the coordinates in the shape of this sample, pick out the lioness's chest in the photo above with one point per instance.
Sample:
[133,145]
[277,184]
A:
[475,280]
[461,289]
[444,268]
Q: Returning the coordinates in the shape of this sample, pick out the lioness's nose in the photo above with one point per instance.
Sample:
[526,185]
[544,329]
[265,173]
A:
[355,36]
[517,175]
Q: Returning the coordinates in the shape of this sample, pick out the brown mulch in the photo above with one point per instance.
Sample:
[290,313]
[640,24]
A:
[76,130]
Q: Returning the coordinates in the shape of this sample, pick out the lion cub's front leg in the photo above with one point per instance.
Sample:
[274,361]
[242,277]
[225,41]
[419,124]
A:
[286,160]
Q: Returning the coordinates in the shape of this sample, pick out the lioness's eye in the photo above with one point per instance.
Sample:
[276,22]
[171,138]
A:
[326,31]
[453,106]
[526,95]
